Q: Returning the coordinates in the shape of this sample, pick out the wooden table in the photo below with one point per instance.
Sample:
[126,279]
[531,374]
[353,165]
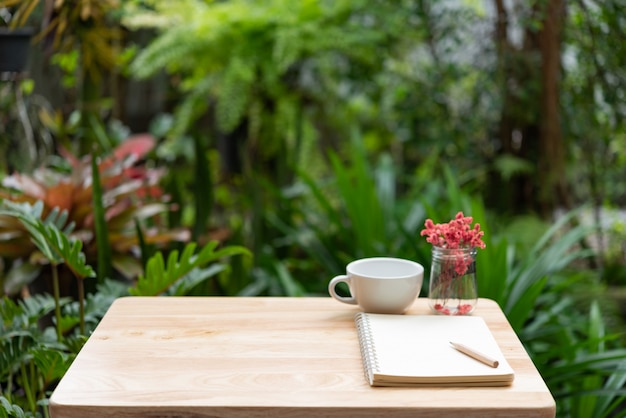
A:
[265,357]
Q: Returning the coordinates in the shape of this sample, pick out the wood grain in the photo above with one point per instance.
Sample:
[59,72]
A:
[265,357]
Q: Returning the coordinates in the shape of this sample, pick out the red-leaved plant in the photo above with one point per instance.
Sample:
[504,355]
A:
[131,193]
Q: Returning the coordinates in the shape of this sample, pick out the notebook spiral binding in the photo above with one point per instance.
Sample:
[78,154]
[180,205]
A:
[368,349]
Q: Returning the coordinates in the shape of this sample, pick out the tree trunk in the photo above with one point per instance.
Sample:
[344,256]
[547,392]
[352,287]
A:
[500,194]
[515,72]
[551,179]
[530,125]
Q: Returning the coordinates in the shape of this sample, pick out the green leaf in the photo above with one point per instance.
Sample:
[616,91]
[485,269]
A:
[357,190]
[52,363]
[614,387]
[288,282]
[194,278]
[20,275]
[596,328]
[14,352]
[105,267]
[67,323]
[203,188]
[524,305]
[509,165]
[49,237]
[159,277]
[30,216]
[9,410]
[38,306]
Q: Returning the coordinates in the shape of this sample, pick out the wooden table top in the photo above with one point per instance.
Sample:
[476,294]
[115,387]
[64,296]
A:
[270,357]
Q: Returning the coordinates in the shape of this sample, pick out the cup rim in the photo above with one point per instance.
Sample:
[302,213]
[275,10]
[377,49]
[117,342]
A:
[350,267]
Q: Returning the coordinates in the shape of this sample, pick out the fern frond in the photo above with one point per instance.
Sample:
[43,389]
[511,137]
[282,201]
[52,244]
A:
[193,105]
[234,94]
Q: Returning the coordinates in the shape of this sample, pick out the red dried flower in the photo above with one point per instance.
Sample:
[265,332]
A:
[458,233]
[455,238]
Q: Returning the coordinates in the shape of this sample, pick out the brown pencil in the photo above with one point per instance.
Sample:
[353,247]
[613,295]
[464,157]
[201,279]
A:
[475,354]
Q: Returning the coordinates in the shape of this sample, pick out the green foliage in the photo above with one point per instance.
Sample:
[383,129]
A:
[268,75]
[55,245]
[9,410]
[105,267]
[49,238]
[406,95]
[274,278]
[593,83]
[32,359]
[160,277]
[523,272]
[25,141]
[202,189]
[583,367]
[353,214]
[549,256]
[122,190]
[22,342]
[587,378]
[87,37]
[223,47]
[357,191]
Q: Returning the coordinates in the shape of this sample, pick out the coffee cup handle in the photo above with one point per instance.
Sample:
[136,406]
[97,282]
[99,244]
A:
[350,300]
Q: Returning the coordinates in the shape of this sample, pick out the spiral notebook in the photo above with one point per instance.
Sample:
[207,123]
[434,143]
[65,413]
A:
[415,350]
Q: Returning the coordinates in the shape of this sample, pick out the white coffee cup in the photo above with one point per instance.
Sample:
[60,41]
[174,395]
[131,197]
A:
[380,284]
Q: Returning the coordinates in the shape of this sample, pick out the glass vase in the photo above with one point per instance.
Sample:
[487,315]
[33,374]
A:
[452,288]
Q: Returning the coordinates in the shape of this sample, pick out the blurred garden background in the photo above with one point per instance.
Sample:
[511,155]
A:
[247,148]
